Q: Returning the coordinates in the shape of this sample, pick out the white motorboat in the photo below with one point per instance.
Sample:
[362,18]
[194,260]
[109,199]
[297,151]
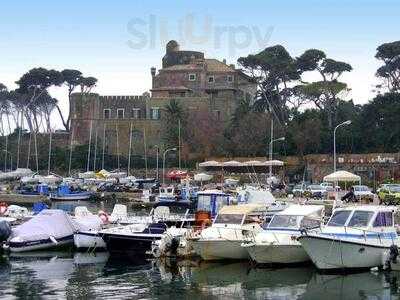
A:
[356,237]
[166,194]
[87,237]
[224,238]
[277,243]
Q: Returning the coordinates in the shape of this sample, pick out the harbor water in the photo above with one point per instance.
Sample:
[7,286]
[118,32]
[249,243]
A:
[69,275]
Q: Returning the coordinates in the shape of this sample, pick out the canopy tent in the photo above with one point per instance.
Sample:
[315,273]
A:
[233,166]
[342,176]
[210,163]
[274,163]
[202,177]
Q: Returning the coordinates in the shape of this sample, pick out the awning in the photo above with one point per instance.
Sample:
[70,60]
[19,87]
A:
[343,176]
[210,163]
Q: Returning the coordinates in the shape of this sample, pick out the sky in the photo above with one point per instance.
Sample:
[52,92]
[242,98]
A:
[118,41]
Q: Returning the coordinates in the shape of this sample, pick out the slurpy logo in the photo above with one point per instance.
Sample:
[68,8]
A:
[153,32]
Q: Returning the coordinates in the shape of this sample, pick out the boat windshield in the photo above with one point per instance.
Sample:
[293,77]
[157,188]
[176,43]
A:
[339,218]
[280,221]
[204,202]
[229,219]
[360,218]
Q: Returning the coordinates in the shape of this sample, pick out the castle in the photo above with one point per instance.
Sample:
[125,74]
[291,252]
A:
[187,77]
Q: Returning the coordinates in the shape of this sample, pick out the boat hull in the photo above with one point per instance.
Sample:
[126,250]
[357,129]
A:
[88,240]
[220,249]
[138,244]
[331,254]
[277,254]
[70,197]
[39,244]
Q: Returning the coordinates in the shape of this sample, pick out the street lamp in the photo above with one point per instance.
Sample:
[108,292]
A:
[281,139]
[164,154]
[348,122]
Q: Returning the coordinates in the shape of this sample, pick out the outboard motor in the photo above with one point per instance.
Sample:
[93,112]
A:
[5,230]
[393,254]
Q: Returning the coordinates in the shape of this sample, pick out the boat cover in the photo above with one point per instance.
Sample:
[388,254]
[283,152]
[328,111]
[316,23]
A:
[48,223]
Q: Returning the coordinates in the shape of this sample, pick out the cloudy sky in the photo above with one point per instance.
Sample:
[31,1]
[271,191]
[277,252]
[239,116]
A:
[118,41]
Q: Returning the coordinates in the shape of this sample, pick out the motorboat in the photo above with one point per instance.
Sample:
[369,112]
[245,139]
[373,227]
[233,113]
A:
[87,237]
[134,239]
[177,240]
[50,228]
[166,194]
[355,237]
[64,193]
[223,239]
[277,243]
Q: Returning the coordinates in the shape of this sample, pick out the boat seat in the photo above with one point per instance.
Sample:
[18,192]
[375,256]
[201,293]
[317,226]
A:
[81,211]
[161,212]
[119,212]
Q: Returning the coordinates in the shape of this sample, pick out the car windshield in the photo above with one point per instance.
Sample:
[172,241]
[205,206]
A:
[393,188]
[279,221]
[360,218]
[315,187]
[229,219]
[361,188]
[339,218]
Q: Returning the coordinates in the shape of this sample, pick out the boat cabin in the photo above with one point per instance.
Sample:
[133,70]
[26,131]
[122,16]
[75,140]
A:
[364,216]
[239,215]
[297,217]
[212,201]
[167,193]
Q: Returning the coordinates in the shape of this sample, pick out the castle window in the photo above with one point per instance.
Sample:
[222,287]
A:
[155,113]
[211,79]
[107,113]
[217,115]
[192,77]
[229,78]
[120,113]
[136,113]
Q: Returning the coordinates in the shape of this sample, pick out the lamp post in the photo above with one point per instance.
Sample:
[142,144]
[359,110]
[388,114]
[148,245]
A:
[348,122]
[270,152]
[164,154]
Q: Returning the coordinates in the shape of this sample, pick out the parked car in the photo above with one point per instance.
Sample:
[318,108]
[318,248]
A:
[362,191]
[385,186]
[299,190]
[390,194]
[316,191]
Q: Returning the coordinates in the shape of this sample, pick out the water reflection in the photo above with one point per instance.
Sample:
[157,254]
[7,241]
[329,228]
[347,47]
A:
[86,275]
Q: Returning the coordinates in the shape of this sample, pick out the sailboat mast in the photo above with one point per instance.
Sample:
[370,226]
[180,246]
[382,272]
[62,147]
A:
[29,151]
[5,155]
[90,143]
[130,149]
[19,136]
[145,150]
[36,151]
[70,151]
[95,151]
[104,145]
[179,142]
[49,159]
[116,129]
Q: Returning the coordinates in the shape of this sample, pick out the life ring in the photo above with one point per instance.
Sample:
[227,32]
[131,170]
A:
[3,208]
[103,217]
